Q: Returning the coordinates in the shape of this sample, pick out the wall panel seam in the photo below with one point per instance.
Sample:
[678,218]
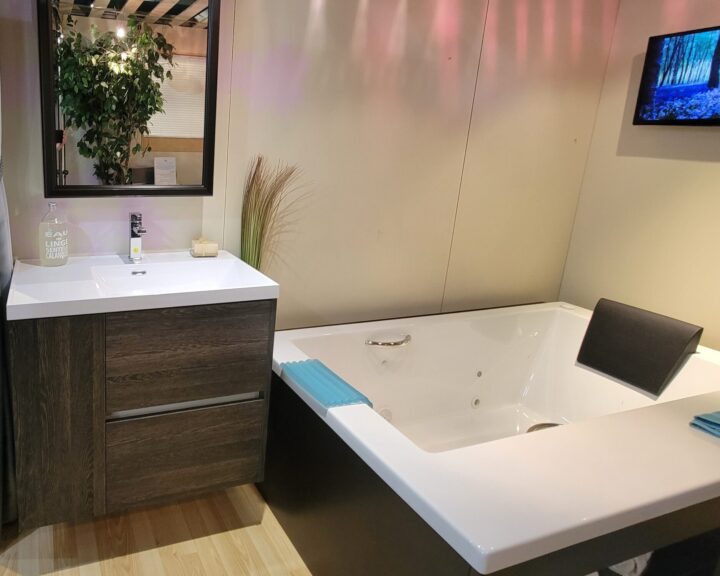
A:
[462,169]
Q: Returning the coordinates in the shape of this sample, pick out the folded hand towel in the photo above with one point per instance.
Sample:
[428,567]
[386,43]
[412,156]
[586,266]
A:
[709,423]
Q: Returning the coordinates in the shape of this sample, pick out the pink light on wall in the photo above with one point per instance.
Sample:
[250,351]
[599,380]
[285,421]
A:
[381,16]
[548,11]
[521,32]
[380,74]
[446,22]
[490,39]
[360,29]
[398,33]
[674,14]
[445,32]
[576,29]
[608,21]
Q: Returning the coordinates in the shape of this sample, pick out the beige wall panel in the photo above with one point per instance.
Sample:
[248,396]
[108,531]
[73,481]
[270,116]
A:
[539,84]
[372,100]
[97,225]
[647,227]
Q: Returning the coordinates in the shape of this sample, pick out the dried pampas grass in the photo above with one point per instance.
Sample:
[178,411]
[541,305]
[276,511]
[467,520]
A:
[266,189]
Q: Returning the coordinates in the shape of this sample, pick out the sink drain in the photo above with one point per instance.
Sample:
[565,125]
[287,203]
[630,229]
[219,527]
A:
[542,426]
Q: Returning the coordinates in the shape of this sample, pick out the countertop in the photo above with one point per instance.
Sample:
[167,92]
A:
[101,284]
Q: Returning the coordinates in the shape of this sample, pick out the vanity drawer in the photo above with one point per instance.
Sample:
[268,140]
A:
[185,354]
[159,458]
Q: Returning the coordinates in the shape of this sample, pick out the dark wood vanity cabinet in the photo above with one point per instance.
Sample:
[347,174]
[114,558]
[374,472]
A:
[114,411]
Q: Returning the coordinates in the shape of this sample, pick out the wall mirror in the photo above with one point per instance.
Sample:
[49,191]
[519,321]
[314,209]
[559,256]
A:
[128,96]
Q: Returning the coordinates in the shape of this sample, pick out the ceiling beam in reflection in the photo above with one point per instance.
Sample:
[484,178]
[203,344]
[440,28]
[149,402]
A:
[159,11]
[189,12]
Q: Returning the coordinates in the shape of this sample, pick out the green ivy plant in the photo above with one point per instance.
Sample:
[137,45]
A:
[109,86]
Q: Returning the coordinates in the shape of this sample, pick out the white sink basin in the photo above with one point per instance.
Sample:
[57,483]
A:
[98,284]
[165,277]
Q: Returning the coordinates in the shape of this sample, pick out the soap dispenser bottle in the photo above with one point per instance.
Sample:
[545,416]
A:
[53,236]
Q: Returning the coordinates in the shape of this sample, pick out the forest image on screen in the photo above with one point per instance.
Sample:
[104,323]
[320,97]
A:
[681,81]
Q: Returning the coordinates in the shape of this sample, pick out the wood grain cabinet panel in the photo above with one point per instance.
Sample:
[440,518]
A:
[172,355]
[57,370]
[80,455]
[159,458]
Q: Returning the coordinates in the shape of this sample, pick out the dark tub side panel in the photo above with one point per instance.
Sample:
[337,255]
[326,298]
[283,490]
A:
[341,517]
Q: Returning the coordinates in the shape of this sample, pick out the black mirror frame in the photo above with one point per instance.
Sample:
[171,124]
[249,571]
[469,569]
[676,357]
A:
[47,91]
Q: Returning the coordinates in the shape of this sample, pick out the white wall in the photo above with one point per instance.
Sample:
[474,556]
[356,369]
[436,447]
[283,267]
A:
[537,93]
[647,229]
[373,101]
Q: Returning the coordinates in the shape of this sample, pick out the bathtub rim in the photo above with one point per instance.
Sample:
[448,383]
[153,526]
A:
[493,533]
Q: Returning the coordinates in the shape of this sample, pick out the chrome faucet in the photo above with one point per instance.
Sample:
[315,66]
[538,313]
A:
[136,232]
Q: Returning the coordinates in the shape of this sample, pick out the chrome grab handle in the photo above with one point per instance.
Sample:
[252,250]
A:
[404,341]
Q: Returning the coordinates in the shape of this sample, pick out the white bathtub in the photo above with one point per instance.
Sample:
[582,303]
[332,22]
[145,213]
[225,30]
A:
[447,430]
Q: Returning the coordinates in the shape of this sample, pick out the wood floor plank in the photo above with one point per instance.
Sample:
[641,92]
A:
[29,554]
[250,509]
[226,533]
[65,552]
[209,556]
[147,556]
[88,557]
[176,546]
[242,534]
[277,537]
[8,561]
[115,545]
[46,547]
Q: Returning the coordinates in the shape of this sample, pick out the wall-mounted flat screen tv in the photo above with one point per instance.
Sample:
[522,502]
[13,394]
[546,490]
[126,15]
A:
[681,79]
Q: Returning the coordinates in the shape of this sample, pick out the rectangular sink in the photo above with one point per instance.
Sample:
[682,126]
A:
[165,277]
[99,284]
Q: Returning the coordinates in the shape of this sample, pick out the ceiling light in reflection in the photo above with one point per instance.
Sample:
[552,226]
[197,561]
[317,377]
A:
[120,32]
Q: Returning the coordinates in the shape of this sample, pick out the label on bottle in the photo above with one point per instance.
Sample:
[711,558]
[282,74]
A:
[54,244]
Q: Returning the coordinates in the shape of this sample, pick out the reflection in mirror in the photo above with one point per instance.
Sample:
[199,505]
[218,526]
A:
[129,92]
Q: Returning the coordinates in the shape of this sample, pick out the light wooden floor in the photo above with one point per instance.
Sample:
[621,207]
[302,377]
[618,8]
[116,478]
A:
[231,532]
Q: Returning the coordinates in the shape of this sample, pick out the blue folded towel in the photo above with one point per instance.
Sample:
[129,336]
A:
[326,387]
[709,423]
